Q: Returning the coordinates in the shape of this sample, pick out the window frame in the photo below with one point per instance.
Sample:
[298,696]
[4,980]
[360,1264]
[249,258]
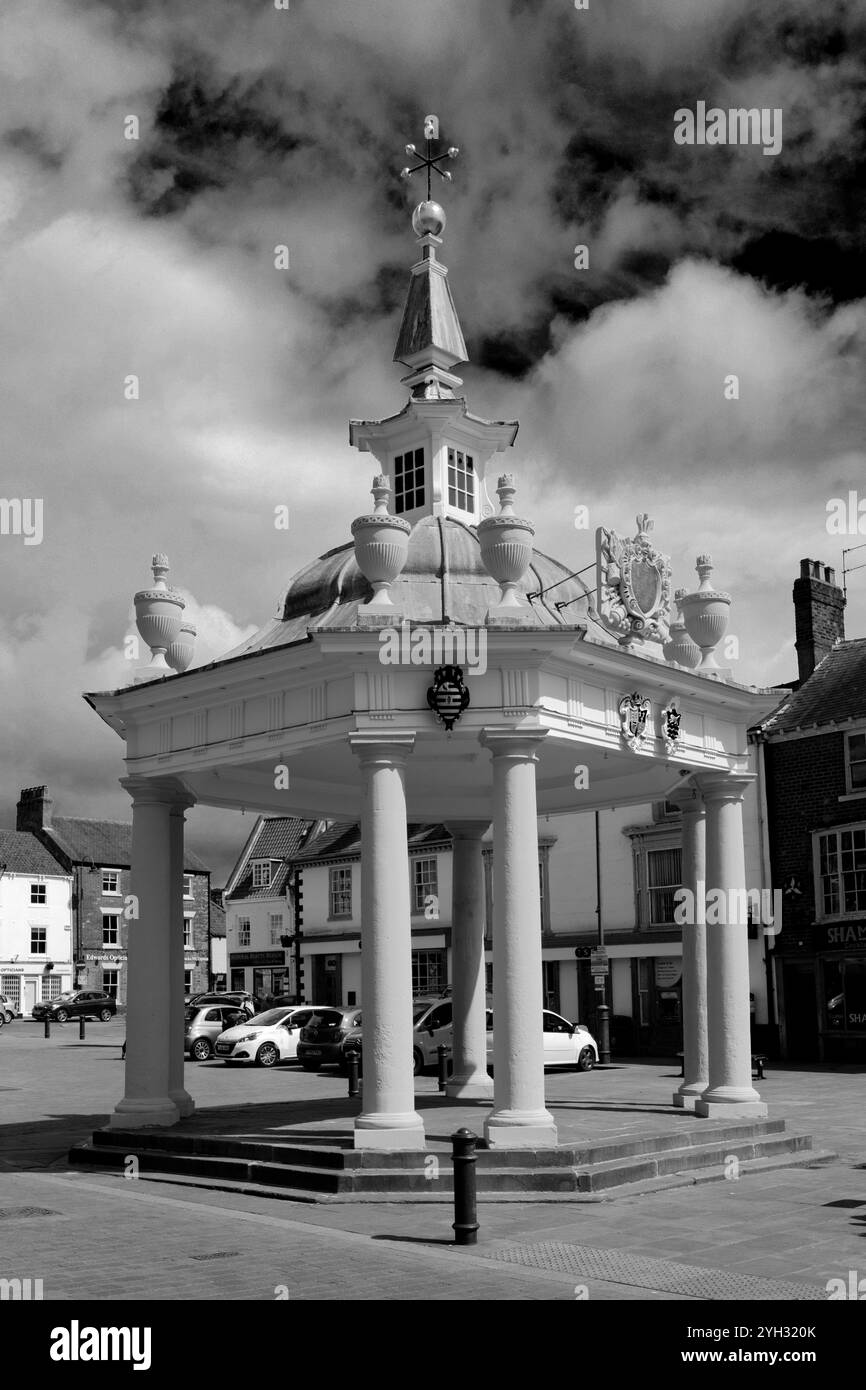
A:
[420,889]
[108,917]
[38,893]
[188,932]
[417,491]
[337,894]
[111,987]
[110,892]
[817,836]
[280,930]
[850,789]
[244,928]
[38,946]
[260,867]
[461,480]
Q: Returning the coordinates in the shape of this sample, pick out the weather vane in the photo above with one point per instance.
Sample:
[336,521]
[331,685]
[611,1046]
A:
[430,161]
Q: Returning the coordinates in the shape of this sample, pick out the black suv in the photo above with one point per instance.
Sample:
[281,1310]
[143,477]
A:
[77,1003]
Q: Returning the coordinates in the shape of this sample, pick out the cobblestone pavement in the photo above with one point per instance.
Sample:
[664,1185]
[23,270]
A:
[770,1235]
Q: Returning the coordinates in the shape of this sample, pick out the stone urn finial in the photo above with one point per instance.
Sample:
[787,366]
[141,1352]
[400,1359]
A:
[158,613]
[506,546]
[706,615]
[180,653]
[381,547]
[680,647]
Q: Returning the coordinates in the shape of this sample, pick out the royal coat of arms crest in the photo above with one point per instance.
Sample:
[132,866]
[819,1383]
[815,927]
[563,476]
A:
[671,720]
[633,586]
[634,713]
[448,696]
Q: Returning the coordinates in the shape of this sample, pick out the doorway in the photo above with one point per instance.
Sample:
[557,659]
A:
[328,980]
[29,996]
[800,1009]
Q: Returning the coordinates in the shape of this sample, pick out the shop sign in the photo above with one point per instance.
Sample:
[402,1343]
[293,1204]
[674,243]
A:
[668,971]
[846,934]
[257,958]
[113,957]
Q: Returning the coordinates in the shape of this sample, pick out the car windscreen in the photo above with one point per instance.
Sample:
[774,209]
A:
[269,1017]
[419,1011]
[327,1018]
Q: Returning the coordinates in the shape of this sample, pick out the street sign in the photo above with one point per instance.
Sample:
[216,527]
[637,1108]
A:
[598,962]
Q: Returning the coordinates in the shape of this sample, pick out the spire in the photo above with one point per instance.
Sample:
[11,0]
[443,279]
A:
[430,341]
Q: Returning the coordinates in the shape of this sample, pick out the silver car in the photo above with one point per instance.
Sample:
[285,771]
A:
[203,1025]
[564,1044]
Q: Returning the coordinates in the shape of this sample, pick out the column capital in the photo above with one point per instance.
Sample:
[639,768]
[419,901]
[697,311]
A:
[384,746]
[507,742]
[688,799]
[467,829]
[723,786]
[158,791]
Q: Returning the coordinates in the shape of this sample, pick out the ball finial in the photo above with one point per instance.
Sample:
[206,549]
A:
[429,217]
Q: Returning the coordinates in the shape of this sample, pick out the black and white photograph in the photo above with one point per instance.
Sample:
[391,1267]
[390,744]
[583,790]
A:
[432,674]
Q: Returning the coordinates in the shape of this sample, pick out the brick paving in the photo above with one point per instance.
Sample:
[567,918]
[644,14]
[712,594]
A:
[799,1224]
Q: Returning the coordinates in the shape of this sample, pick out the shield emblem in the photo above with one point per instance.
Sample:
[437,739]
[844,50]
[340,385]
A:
[646,585]
[634,713]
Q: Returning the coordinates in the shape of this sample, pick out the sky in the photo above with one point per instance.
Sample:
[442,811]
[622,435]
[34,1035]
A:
[258,127]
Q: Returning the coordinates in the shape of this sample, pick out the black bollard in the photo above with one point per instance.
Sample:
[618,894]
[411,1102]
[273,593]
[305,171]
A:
[352,1059]
[81,1029]
[48,1027]
[465,1224]
[442,1065]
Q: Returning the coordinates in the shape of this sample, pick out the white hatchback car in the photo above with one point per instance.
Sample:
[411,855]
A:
[565,1044]
[265,1038]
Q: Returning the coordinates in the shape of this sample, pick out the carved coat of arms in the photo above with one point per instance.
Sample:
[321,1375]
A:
[633,585]
[634,713]
[671,720]
[448,696]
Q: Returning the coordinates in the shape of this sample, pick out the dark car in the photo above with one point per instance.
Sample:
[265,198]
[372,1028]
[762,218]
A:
[77,1003]
[328,1036]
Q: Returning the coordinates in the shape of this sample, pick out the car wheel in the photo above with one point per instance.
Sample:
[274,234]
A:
[2,1020]
[201,1049]
[105,1015]
[267,1055]
[311,1066]
[417,1062]
[61,1016]
[8,1018]
[586,1060]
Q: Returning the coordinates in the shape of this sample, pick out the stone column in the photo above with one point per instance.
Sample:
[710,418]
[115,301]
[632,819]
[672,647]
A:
[469,1079]
[388,1119]
[730,1091]
[695,1058]
[519,1118]
[148,1074]
[182,1099]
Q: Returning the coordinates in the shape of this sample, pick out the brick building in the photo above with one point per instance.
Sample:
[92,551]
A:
[812,754]
[97,854]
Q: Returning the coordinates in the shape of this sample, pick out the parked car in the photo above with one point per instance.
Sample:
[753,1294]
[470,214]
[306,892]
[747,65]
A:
[329,1035]
[235,996]
[77,1003]
[565,1044]
[266,1038]
[8,1010]
[203,1025]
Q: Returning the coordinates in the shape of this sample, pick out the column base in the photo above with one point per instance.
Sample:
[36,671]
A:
[731,1103]
[184,1102]
[687,1096]
[474,1086]
[390,1132]
[138,1114]
[520,1129]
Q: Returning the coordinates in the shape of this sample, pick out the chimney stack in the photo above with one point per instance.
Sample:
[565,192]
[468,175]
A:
[34,809]
[819,614]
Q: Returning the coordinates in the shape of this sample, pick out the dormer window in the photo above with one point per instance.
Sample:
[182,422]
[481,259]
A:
[408,481]
[262,873]
[461,481]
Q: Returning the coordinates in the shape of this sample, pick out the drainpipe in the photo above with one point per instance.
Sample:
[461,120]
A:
[767,877]
[602,1010]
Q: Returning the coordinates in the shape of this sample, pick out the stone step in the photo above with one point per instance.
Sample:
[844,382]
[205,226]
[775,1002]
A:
[619,1172]
[335,1156]
[416,1174]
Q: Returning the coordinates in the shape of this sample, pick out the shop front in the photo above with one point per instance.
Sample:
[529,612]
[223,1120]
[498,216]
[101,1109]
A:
[842,992]
[261,973]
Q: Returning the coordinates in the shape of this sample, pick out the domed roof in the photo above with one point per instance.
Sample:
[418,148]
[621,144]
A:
[443,580]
